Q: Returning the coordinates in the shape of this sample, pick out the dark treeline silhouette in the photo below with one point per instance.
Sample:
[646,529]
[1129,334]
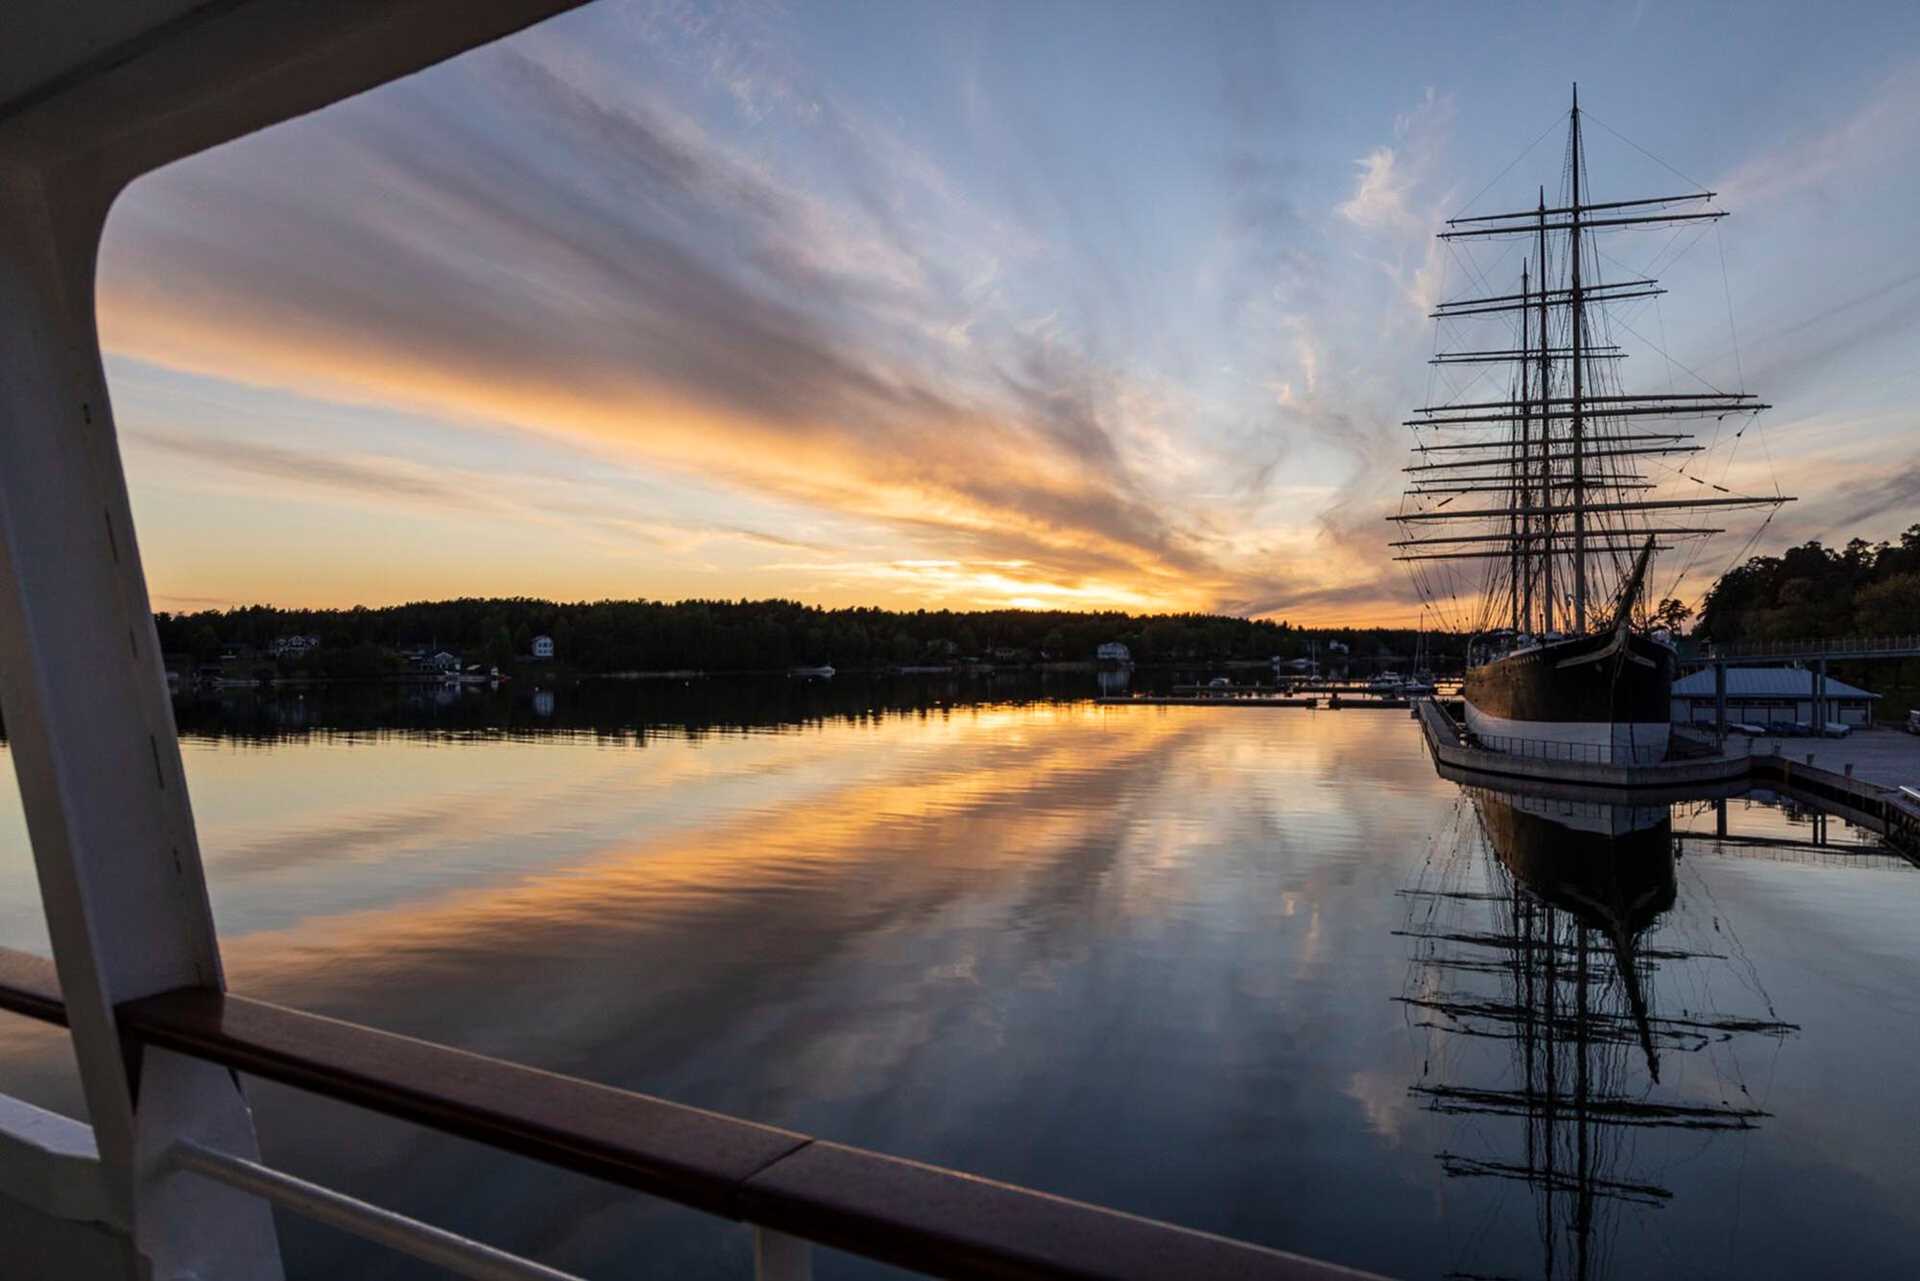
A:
[1812,592]
[1815,591]
[765,635]
[626,711]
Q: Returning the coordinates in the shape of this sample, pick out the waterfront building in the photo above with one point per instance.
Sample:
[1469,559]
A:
[1763,695]
[543,647]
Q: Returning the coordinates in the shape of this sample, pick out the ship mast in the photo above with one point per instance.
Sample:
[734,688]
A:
[1576,322]
[1521,521]
[1559,467]
[1546,437]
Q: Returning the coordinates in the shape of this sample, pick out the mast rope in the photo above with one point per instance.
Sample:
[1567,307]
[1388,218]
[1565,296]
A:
[1528,150]
[1695,183]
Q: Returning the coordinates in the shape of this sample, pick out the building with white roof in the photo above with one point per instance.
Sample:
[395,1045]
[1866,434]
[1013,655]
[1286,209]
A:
[1759,695]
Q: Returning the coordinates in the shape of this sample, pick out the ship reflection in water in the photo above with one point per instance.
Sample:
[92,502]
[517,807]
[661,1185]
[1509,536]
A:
[1536,927]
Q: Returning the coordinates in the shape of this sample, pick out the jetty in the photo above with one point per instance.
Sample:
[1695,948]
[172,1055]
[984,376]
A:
[1891,810]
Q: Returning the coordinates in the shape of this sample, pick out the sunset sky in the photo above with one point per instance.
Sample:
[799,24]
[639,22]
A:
[1032,304]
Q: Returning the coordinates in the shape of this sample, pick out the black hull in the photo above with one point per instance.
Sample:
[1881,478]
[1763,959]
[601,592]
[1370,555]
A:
[1611,866]
[1538,685]
[1604,698]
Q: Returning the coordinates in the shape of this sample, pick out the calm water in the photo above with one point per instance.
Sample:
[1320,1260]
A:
[1259,972]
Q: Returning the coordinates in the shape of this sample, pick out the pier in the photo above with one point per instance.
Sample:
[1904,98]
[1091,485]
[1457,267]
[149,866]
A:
[1879,799]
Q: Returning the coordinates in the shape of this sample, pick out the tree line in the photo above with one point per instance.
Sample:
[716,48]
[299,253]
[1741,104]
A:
[1813,591]
[744,635]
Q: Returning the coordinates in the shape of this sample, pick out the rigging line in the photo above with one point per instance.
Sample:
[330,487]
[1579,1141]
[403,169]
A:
[1679,230]
[1470,265]
[1512,246]
[1696,184]
[1699,545]
[1746,547]
[1695,374]
[1551,126]
[1445,263]
[1765,452]
[1485,371]
[1733,331]
[1659,263]
[1692,234]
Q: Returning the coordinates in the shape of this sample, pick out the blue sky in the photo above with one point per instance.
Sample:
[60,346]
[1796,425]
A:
[1035,304]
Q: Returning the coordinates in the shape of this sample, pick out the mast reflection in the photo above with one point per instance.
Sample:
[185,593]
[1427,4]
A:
[1534,924]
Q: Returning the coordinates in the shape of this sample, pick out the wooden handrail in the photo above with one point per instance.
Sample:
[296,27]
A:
[29,986]
[915,1216]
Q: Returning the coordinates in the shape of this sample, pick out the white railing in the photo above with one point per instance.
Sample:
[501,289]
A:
[449,1250]
[1580,753]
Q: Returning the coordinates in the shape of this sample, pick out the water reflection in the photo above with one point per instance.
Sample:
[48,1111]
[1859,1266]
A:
[604,707]
[1140,956]
[1536,927]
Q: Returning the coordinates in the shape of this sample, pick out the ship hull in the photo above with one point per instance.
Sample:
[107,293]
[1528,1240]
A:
[1604,698]
[1610,865]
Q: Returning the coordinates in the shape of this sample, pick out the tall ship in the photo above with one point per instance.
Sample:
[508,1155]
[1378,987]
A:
[1548,508]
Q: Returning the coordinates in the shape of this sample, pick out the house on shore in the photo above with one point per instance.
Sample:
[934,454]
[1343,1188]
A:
[1761,695]
[1114,654]
[543,648]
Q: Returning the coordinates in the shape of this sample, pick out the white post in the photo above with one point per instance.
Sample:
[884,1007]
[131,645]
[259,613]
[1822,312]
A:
[92,737]
[779,1257]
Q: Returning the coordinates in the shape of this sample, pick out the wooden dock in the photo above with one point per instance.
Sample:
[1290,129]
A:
[1891,812]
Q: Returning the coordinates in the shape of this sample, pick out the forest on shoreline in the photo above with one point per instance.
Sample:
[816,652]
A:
[1813,591]
[1805,592]
[737,636]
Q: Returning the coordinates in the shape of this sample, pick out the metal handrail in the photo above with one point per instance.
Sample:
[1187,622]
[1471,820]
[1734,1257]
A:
[1554,750]
[449,1250]
[920,1217]
[1811,647]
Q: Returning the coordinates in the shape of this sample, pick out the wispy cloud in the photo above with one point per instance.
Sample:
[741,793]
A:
[361,478]
[623,279]
[1870,135]
[1379,199]
[969,341]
